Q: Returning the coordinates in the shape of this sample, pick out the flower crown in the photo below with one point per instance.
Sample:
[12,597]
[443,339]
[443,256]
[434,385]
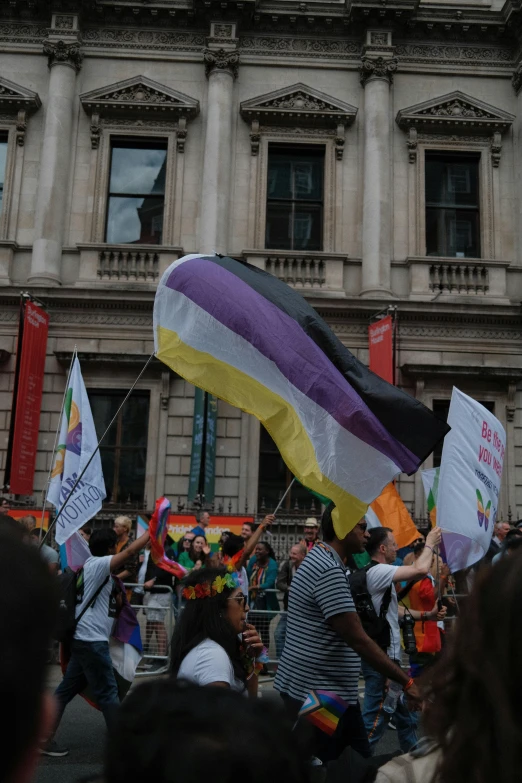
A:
[207,590]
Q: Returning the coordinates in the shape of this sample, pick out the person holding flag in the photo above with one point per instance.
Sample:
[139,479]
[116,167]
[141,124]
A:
[90,662]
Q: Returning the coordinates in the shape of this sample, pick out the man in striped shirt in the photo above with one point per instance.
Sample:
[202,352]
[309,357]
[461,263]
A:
[325,640]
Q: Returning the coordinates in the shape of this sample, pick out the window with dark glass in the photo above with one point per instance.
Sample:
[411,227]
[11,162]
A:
[452,205]
[294,210]
[124,449]
[274,479]
[136,192]
[3,157]
[441,410]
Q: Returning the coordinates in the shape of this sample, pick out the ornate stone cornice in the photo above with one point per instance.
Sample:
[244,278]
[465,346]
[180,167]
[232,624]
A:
[62,53]
[378,68]
[139,98]
[221,60]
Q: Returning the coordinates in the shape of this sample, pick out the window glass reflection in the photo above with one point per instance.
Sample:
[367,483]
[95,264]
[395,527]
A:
[136,193]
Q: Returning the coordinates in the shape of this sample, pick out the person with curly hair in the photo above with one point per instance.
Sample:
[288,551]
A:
[212,643]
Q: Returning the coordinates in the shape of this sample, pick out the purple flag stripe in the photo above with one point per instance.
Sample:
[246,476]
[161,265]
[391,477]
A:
[282,340]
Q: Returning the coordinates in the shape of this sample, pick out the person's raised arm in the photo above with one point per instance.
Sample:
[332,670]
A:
[254,540]
[118,560]
[422,565]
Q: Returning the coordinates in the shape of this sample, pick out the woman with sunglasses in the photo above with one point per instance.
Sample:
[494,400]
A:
[212,643]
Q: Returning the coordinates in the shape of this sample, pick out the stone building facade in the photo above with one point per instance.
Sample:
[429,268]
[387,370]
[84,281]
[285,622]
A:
[368,153]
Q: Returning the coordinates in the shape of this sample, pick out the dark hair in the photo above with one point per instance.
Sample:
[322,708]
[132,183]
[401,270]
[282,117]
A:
[476,715]
[101,541]
[28,611]
[377,536]
[205,618]
[327,527]
[168,731]
[195,556]
[512,543]
[515,532]
[87,529]
[8,524]
[268,548]
[180,544]
[251,525]
[232,545]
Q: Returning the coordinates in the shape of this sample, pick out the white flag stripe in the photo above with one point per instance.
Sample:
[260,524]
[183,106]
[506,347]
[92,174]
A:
[76,445]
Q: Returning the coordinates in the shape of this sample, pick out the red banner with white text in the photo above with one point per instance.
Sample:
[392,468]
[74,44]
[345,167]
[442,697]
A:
[27,398]
[380,338]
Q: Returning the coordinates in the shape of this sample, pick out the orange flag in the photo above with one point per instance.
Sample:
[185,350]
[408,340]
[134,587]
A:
[388,510]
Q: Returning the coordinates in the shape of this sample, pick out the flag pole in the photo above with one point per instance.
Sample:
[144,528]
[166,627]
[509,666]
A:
[46,490]
[289,487]
[71,493]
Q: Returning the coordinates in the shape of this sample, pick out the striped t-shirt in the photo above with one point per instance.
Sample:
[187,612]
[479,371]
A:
[314,655]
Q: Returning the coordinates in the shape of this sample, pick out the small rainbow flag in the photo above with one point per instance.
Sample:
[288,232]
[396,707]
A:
[324,709]
[158,528]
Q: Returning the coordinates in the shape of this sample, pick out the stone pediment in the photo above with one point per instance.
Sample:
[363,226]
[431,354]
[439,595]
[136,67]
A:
[14,97]
[455,113]
[139,95]
[298,105]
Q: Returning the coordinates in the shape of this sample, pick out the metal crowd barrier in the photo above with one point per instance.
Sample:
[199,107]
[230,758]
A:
[270,623]
[155,611]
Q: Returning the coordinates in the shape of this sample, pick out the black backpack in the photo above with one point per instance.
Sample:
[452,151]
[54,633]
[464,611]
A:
[70,586]
[375,625]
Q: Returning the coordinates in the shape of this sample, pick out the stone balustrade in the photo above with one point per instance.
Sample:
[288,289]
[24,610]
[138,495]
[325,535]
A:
[314,273]
[431,277]
[139,264]
[461,278]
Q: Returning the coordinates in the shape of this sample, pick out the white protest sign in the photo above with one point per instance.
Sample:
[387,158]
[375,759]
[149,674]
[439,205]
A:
[469,484]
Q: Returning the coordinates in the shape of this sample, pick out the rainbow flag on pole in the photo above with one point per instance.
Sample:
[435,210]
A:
[251,340]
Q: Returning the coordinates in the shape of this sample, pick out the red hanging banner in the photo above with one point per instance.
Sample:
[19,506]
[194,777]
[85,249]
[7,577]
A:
[380,337]
[27,398]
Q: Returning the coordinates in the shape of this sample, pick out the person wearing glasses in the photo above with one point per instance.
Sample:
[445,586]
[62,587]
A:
[212,643]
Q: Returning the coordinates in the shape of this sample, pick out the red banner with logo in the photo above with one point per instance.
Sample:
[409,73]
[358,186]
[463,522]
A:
[32,345]
[380,337]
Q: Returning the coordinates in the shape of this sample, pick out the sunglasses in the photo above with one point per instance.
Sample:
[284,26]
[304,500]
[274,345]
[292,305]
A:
[241,599]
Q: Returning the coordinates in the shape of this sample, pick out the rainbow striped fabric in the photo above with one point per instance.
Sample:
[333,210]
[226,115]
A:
[158,529]
[251,340]
[324,709]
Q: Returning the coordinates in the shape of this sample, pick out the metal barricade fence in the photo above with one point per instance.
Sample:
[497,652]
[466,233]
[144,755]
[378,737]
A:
[270,623]
[155,611]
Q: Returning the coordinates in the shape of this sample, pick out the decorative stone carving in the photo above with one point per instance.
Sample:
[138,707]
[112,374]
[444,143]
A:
[516,79]
[221,60]
[223,31]
[378,68]
[379,39]
[61,53]
[511,406]
[142,99]
[299,107]
[19,101]
[460,116]
[64,22]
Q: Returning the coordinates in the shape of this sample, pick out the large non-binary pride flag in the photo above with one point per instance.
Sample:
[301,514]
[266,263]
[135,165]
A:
[245,336]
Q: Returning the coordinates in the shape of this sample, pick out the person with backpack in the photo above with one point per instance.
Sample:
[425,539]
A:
[325,640]
[375,597]
[96,608]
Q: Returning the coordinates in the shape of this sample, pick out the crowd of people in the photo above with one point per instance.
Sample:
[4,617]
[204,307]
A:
[326,621]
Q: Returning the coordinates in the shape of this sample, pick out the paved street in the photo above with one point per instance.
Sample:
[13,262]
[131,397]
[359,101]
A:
[83,732]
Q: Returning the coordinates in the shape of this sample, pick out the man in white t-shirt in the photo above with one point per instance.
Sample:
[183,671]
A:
[90,662]
[381,579]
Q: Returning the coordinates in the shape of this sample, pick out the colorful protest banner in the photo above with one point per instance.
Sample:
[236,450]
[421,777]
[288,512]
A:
[430,483]
[179,524]
[470,478]
[388,510]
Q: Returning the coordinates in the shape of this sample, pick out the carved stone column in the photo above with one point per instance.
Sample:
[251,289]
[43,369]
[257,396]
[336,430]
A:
[377,69]
[65,59]
[221,65]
